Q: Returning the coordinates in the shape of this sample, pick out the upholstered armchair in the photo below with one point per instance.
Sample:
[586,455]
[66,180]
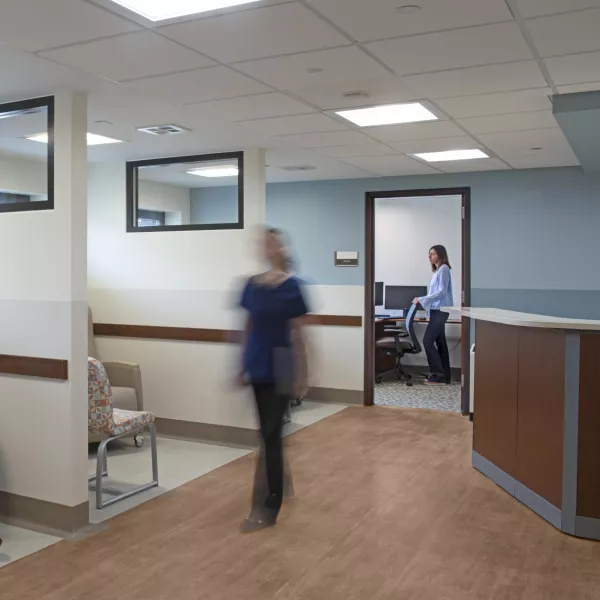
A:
[125,380]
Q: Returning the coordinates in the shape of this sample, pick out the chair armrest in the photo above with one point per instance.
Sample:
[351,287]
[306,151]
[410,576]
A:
[400,331]
[127,375]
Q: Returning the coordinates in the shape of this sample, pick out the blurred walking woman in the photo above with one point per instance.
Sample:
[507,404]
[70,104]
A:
[440,295]
[273,340]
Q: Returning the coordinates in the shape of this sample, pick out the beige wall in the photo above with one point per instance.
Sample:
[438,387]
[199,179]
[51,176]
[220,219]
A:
[43,427]
[179,279]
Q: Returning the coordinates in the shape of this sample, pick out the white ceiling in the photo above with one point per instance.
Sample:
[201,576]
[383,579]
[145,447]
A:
[272,74]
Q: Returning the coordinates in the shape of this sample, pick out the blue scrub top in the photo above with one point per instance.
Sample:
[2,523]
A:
[271,309]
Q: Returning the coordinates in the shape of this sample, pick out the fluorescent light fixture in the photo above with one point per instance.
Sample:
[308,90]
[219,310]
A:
[451,155]
[160,10]
[93,139]
[222,171]
[392,114]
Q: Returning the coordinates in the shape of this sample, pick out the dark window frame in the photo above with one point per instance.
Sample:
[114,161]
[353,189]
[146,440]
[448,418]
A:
[48,103]
[132,191]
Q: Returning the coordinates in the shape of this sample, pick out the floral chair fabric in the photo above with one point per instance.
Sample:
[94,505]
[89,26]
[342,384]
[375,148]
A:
[102,418]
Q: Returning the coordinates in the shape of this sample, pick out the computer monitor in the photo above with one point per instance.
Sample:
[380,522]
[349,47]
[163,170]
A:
[379,293]
[400,297]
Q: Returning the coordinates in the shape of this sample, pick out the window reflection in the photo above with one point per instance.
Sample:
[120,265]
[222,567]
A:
[201,192]
[26,166]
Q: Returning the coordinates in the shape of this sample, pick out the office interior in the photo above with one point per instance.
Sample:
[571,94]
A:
[108,117]
[405,230]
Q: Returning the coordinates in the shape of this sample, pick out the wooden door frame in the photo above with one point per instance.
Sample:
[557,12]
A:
[369,368]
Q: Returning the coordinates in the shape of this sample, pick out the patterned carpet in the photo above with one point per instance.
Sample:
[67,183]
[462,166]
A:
[443,397]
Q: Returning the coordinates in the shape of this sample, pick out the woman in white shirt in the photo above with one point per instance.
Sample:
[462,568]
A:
[440,295]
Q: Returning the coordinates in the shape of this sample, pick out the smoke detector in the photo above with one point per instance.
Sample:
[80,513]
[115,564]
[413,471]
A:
[163,129]
[296,168]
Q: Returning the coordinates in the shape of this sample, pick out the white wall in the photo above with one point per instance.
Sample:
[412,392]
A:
[24,176]
[178,279]
[43,427]
[405,230]
[172,199]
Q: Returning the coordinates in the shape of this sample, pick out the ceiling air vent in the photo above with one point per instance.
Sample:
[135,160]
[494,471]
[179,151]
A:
[163,129]
[294,169]
[356,95]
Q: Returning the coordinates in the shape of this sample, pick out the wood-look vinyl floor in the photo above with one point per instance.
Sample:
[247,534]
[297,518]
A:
[387,508]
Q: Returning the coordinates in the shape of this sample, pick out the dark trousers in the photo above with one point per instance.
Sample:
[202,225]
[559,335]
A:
[271,408]
[436,346]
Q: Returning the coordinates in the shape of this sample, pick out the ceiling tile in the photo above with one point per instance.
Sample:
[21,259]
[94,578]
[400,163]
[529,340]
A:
[332,138]
[196,86]
[579,87]
[392,165]
[23,75]
[541,161]
[252,34]
[298,71]
[537,8]
[542,119]
[260,106]
[373,149]
[512,143]
[468,166]
[463,142]
[316,122]
[376,20]
[566,34]
[469,47]
[478,80]
[388,90]
[497,104]
[135,55]
[33,25]
[577,68]
[414,131]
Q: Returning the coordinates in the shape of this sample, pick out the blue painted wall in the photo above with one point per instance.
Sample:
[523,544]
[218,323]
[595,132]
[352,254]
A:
[214,205]
[534,233]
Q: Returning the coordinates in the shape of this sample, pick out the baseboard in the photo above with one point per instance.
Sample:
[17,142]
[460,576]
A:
[207,432]
[335,396]
[43,516]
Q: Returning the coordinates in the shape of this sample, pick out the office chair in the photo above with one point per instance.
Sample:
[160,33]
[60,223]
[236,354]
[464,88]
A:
[403,340]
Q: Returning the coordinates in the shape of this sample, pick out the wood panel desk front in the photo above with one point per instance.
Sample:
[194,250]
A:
[537,413]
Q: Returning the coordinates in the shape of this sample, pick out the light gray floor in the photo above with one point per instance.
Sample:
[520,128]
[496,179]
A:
[19,543]
[179,463]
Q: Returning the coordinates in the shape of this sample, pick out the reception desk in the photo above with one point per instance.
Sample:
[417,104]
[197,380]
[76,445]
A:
[537,413]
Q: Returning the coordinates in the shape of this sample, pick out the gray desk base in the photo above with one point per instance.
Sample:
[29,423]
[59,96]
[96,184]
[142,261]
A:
[584,527]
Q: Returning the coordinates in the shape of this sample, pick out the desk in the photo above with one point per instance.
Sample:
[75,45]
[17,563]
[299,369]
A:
[537,413]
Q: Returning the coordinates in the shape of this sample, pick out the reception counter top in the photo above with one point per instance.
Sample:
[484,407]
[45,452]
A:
[519,319]
[537,413]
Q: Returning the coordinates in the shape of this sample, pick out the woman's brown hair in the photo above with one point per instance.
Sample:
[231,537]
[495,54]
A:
[443,256]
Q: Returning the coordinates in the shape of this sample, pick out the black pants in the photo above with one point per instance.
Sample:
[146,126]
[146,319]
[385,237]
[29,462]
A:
[436,346]
[271,408]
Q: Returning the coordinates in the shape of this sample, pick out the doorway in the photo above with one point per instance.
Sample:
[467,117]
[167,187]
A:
[401,226]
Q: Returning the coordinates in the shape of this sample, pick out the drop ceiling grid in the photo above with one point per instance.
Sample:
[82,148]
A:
[523,74]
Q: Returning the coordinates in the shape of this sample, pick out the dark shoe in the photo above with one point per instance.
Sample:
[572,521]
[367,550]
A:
[434,381]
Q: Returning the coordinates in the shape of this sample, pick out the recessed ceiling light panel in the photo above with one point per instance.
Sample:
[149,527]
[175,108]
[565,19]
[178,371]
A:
[221,171]
[391,114]
[93,139]
[450,155]
[160,10]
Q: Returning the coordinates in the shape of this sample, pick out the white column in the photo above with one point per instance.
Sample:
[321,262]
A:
[43,307]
